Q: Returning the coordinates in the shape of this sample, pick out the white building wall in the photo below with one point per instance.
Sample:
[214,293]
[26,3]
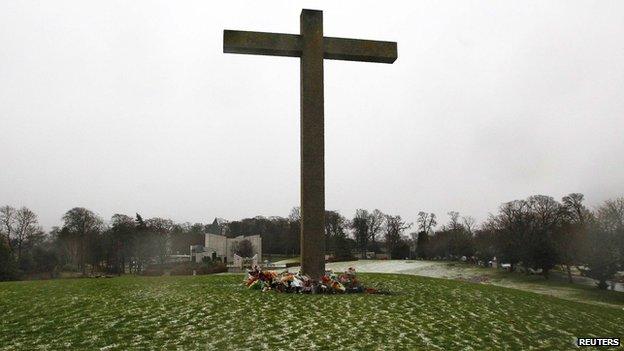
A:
[216,243]
[224,246]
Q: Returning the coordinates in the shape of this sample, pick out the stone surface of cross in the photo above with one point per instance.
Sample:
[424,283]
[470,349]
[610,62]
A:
[312,48]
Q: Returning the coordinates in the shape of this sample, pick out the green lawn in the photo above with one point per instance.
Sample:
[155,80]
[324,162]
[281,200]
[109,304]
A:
[557,285]
[217,313]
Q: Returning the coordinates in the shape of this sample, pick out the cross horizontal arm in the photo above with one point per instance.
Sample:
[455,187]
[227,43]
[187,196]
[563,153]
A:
[359,50]
[261,43]
[277,44]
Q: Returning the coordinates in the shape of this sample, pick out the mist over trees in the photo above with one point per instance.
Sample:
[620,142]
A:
[536,234]
[367,228]
[539,234]
[396,244]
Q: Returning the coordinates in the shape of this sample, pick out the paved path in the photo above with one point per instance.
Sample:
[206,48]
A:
[435,269]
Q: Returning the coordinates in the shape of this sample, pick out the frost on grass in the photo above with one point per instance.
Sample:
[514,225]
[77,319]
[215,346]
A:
[465,272]
[217,312]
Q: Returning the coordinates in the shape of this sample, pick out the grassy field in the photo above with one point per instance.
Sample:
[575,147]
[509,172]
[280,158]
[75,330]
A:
[217,313]
[583,290]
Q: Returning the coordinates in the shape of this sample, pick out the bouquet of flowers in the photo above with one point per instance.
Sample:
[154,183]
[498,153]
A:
[330,283]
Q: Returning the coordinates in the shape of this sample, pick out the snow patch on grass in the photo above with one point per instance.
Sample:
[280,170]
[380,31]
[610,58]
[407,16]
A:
[217,312]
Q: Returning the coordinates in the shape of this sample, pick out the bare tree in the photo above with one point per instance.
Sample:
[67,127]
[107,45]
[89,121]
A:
[122,234]
[426,222]
[611,214]
[291,236]
[295,214]
[160,232]
[336,241]
[575,209]
[454,222]
[7,222]
[27,230]
[572,232]
[511,228]
[367,226]
[360,227]
[547,211]
[394,227]
[469,224]
[80,231]
[527,232]
[604,243]
[375,225]
[335,224]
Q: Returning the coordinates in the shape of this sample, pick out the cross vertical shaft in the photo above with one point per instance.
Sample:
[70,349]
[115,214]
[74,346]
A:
[312,145]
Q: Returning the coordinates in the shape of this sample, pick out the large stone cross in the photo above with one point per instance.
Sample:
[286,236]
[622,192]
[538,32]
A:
[311,47]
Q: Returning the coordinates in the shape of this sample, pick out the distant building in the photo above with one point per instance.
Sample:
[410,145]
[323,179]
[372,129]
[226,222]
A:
[197,253]
[178,258]
[221,247]
[368,255]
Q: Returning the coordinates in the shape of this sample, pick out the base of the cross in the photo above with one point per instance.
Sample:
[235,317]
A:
[298,283]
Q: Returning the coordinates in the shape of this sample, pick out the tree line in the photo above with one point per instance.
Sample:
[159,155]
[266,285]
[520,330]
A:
[537,233]
[86,244]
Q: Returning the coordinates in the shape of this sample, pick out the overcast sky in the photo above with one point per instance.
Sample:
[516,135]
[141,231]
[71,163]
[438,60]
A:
[125,107]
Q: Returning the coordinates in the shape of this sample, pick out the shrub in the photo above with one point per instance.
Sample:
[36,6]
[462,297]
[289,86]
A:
[8,266]
[213,268]
[183,268]
[153,271]
[70,268]
[186,268]
[337,259]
